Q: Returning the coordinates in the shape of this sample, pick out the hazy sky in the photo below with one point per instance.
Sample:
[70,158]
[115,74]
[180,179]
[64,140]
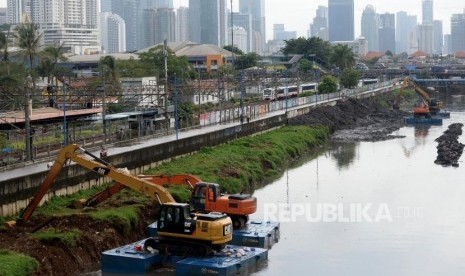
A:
[298,14]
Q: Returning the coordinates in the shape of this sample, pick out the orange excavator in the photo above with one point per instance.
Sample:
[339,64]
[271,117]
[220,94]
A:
[427,107]
[179,230]
[205,197]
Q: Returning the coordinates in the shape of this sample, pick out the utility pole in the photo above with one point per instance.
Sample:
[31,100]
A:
[176,115]
[65,127]
[104,123]
[165,53]
[27,123]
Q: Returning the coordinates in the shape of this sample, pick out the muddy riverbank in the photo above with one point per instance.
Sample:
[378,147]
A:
[354,120]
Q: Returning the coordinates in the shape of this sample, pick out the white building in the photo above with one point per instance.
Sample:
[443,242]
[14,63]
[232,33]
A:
[112,33]
[71,23]
[16,8]
[143,92]
[359,46]
[241,39]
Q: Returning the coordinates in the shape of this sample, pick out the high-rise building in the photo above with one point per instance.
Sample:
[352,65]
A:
[425,38]
[457,28]
[447,44]
[280,34]
[438,37]
[71,23]
[105,5]
[387,32]
[132,13]
[319,27]
[256,9]
[158,4]
[208,21]
[160,25]
[16,8]
[341,20]
[406,26]
[3,16]
[243,21]
[112,33]
[370,28]
[427,14]
[182,24]
[241,38]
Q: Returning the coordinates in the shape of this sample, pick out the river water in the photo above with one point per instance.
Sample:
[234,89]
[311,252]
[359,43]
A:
[371,208]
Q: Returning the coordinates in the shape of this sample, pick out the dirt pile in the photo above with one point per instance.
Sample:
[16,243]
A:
[369,119]
[56,258]
[449,148]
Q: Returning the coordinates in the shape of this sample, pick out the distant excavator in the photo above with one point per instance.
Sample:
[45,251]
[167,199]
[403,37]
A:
[427,108]
[179,229]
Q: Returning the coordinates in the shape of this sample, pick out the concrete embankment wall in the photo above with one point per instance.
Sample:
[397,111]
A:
[16,193]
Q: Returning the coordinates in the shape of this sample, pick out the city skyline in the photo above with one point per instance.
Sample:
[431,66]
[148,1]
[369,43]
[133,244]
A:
[297,15]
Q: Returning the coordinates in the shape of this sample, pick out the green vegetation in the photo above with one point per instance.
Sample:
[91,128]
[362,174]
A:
[349,78]
[328,84]
[126,217]
[243,163]
[69,238]
[16,264]
[180,193]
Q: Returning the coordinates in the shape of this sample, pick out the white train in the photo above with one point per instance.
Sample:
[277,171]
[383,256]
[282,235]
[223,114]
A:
[280,92]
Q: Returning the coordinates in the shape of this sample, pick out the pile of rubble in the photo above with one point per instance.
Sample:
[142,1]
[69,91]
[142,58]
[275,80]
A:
[449,148]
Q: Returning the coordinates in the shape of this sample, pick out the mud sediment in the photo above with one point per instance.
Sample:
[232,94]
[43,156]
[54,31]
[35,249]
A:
[449,148]
[355,120]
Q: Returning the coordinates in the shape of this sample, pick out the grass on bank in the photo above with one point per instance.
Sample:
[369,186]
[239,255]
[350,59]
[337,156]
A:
[69,238]
[126,217]
[240,164]
[16,264]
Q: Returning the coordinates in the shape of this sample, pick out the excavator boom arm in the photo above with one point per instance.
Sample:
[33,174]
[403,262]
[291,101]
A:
[99,166]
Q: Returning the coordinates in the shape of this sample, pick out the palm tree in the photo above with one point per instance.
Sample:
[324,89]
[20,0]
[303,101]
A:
[342,56]
[50,58]
[29,41]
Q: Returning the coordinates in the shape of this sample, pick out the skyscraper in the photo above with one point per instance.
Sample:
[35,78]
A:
[16,8]
[280,34]
[158,4]
[387,32]
[182,24]
[71,23]
[256,9]
[243,21]
[425,38]
[160,25]
[112,33]
[427,14]
[319,27]
[341,20]
[370,28]
[207,21]
[132,13]
[438,37]
[406,26]
[457,27]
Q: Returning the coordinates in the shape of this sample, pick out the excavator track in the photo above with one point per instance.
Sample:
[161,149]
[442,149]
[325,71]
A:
[177,247]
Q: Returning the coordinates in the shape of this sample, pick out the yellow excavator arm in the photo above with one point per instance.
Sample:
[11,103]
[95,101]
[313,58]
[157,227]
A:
[99,166]
[409,82]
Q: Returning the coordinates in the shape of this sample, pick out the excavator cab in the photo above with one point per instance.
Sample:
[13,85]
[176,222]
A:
[204,193]
[176,218]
